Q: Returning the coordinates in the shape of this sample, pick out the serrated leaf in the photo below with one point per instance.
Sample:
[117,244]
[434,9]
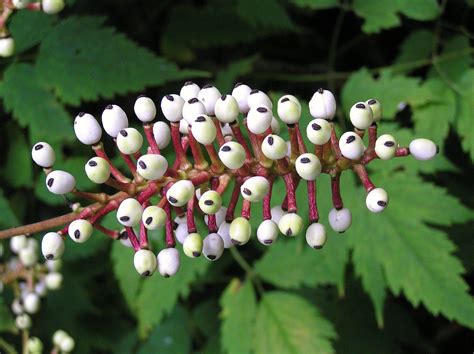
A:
[379,15]
[7,216]
[33,105]
[171,336]
[389,89]
[18,169]
[238,304]
[417,46]
[226,78]
[159,295]
[415,258]
[29,28]
[464,120]
[206,317]
[81,52]
[265,14]
[316,4]
[287,323]
[125,273]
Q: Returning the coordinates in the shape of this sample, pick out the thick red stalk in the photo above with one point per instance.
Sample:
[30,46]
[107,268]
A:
[266,207]
[113,234]
[364,177]
[216,164]
[148,128]
[290,193]
[169,238]
[190,216]
[241,140]
[229,216]
[99,151]
[246,205]
[181,160]
[111,206]
[200,162]
[335,142]
[212,223]
[220,137]
[293,142]
[313,206]
[133,238]
[336,192]
[301,144]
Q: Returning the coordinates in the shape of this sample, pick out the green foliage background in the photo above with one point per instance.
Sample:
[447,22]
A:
[394,283]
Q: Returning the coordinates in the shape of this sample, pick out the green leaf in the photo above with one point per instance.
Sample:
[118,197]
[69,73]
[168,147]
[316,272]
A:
[417,46]
[125,273]
[238,305]
[29,28]
[7,323]
[80,53]
[389,89]
[380,15]
[171,336]
[465,121]
[415,258]
[18,169]
[316,4]
[265,14]
[159,295]
[226,78]
[206,317]
[287,323]
[33,105]
[7,216]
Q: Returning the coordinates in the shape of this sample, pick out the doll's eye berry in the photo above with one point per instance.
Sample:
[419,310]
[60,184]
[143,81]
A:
[350,139]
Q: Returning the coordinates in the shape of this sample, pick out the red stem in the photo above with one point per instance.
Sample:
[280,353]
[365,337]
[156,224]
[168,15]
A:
[266,208]
[245,213]
[148,128]
[241,140]
[113,234]
[212,223]
[293,142]
[190,216]
[133,238]
[336,192]
[170,241]
[402,152]
[144,231]
[301,144]
[364,177]
[181,160]
[229,216]
[313,207]
[220,136]
[335,142]
[290,193]
[99,151]
[199,162]
[216,164]
[372,136]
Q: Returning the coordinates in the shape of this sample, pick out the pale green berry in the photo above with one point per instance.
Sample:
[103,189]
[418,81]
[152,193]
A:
[232,155]
[28,256]
[54,265]
[322,105]
[361,115]
[376,200]
[152,166]
[240,231]
[275,126]
[290,224]
[308,166]
[52,246]
[58,337]
[168,262]
[23,321]
[274,147]
[60,182]
[80,230]
[31,302]
[192,245]
[351,145]
[129,212]
[180,193]
[7,47]
[17,243]
[204,130]
[145,262]
[319,131]
[386,147]
[376,108]
[154,217]
[423,149]
[67,344]
[213,247]
[316,235]
[181,232]
[340,220]
[255,188]
[289,109]
[267,232]
[226,109]
[52,7]
[53,280]
[19,4]
[34,345]
[17,307]
[129,141]
[98,170]
[210,202]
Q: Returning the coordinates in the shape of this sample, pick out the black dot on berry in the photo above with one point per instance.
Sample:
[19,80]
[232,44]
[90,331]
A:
[169,98]
[262,109]
[286,99]
[92,163]
[389,143]
[320,90]
[81,114]
[315,126]
[50,182]
[254,91]
[235,242]
[437,149]
[207,86]
[123,235]
[109,106]
[208,202]
[196,254]
[124,218]
[148,220]
[200,119]
[223,97]
[268,242]
[317,247]
[238,84]
[290,125]
[193,100]
[226,148]
[49,257]
[289,232]
[173,200]
[372,101]
[350,139]
[166,275]
[123,132]
[140,96]
[360,105]
[187,83]
[382,203]
[77,234]
[305,160]
[146,274]
[38,147]
[142,164]
[211,257]
[270,140]
[247,191]
[374,125]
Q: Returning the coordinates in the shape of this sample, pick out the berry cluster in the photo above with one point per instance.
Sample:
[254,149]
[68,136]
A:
[202,123]
[30,281]
[7,7]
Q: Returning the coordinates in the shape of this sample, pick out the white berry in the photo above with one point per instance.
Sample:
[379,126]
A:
[377,200]
[87,129]
[52,7]
[189,90]
[258,98]
[267,232]
[259,119]
[168,262]
[322,104]
[114,119]
[154,217]
[361,115]
[274,147]
[192,109]
[53,280]
[224,233]
[180,193]
[213,247]
[31,303]
[152,166]
[241,93]
[145,109]
[23,321]
[204,130]
[386,147]
[172,107]
[255,188]
[277,213]
[52,246]
[340,220]
[60,182]
[423,149]
[162,134]
[226,109]
[308,166]
[17,243]
[209,95]
[232,155]
[376,108]
[319,131]
[289,109]
[7,47]
[129,212]
[43,154]
[351,145]
[316,235]
[80,230]
[145,262]
[129,141]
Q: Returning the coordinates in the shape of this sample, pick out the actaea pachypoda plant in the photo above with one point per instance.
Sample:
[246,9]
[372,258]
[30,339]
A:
[211,155]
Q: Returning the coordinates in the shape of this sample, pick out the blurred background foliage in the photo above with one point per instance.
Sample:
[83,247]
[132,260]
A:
[394,283]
